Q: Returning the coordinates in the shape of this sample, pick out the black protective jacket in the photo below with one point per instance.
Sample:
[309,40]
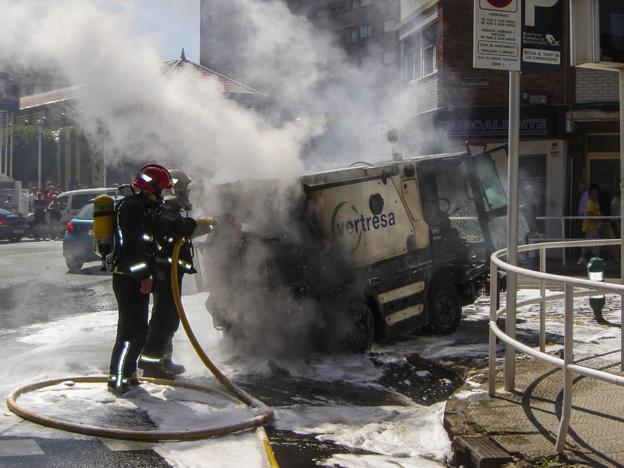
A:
[134,222]
[172,225]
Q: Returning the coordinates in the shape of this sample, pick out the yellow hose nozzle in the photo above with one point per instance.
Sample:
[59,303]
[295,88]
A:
[204,226]
[206,221]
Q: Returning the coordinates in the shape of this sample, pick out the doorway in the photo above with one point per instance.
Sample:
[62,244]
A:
[603,166]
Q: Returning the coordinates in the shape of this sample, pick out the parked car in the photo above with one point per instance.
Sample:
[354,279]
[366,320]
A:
[69,204]
[78,239]
[13,226]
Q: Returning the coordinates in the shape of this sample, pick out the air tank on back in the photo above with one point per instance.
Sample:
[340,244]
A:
[103,207]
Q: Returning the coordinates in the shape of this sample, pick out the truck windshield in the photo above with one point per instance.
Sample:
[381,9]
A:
[455,200]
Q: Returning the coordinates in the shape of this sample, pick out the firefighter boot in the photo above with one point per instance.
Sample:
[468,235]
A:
[155,368]
[123,385]
[172,367]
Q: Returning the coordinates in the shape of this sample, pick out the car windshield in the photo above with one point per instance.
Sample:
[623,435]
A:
[86,212]
[4,212]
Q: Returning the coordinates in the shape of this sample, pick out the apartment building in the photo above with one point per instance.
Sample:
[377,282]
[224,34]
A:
[562,142]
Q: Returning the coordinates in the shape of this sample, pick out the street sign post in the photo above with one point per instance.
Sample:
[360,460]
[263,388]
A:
[516,35]
[497,45]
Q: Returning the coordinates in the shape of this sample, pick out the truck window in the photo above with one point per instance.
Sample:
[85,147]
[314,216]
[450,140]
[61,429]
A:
[493,192]
[455,196]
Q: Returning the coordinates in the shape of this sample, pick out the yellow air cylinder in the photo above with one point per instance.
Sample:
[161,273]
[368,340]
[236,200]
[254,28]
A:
[103,207]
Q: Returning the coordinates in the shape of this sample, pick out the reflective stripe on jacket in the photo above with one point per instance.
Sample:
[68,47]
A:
[135,240]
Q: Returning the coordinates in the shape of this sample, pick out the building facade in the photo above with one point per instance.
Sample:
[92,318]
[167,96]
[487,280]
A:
[568,118]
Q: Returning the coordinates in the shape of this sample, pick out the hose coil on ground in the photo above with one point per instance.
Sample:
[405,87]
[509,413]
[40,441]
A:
[265,413]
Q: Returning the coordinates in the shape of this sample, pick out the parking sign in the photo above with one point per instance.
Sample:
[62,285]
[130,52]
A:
[542,35]
[497,34]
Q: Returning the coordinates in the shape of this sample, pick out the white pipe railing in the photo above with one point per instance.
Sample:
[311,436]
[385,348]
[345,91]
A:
[569,285]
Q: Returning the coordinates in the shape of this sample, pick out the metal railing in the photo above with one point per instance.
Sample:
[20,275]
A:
[586,288]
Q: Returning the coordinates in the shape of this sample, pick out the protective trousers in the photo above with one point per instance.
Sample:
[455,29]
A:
[131,325]
[164,321]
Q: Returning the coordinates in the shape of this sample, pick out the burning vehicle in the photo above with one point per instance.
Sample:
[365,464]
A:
[347,257]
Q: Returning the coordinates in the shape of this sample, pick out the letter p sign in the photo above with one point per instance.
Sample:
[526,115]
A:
[530,5]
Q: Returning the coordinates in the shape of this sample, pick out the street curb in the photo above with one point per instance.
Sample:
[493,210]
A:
[508,419]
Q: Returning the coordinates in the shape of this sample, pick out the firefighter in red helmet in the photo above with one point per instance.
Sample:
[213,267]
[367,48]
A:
[135,248]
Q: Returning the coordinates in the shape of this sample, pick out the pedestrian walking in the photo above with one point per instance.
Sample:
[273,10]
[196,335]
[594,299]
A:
[584,196]
[591,227]
[614,210]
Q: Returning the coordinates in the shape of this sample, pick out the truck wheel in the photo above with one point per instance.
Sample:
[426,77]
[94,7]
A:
[444,310]
[359,328]
[73,264]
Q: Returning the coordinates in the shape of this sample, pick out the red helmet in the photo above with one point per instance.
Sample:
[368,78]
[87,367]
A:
[153,178]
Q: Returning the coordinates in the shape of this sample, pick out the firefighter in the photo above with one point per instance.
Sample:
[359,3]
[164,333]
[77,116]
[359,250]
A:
[174,223]
[135,248]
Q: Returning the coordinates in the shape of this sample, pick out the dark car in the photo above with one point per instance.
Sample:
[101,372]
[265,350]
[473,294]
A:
[13,226]
[78,240]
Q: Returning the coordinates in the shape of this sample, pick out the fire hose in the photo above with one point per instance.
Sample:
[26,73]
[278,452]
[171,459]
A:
[263,416]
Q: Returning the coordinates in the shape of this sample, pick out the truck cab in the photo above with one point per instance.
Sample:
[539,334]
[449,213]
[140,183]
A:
[360,254]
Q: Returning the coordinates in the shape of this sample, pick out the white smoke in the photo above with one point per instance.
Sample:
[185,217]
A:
[319,103]
[129,107]
[309,76]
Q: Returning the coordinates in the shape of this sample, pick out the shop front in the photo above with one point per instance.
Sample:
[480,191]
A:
[544,174]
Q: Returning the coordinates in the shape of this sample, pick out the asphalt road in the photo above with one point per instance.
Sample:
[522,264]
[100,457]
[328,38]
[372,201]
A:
[37,289]
[35,285]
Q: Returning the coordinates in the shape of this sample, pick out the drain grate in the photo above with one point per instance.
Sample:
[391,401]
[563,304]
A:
[480,452]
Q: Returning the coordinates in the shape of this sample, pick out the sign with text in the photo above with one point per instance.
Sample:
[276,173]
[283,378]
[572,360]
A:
[497,34]
[542,35]
[518,35]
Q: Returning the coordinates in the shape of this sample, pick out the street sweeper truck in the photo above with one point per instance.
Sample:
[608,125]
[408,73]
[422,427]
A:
[347,257]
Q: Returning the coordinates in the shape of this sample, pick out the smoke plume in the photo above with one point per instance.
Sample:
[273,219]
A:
[318,107]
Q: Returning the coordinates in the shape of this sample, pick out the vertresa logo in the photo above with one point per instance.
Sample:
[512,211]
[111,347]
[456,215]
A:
[348,225]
